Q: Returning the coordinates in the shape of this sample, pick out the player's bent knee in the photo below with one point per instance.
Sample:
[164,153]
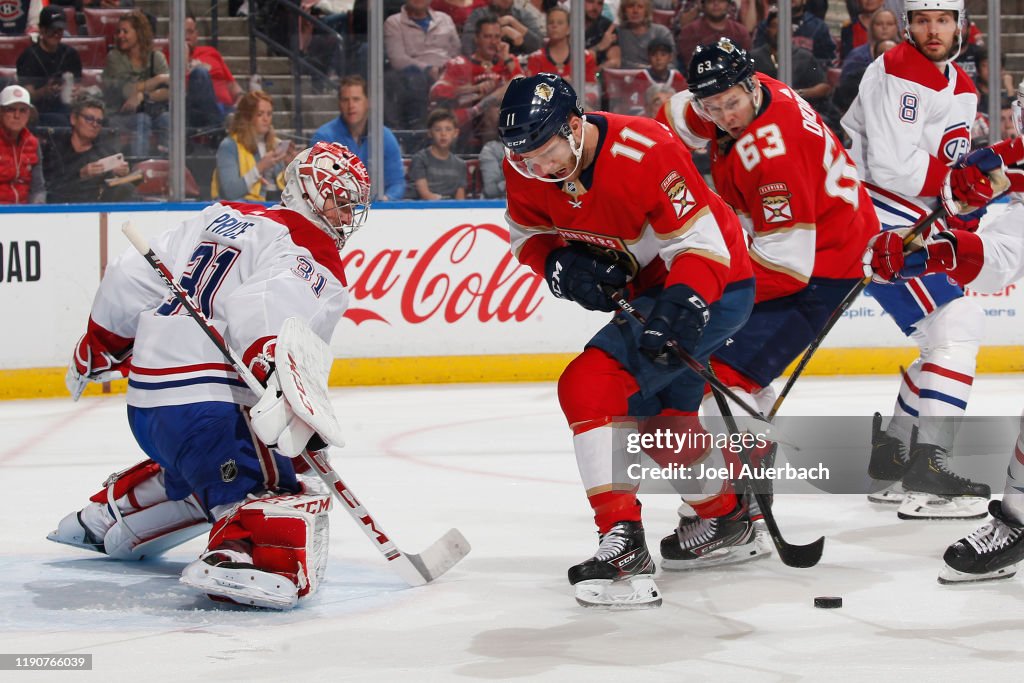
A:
[594,386]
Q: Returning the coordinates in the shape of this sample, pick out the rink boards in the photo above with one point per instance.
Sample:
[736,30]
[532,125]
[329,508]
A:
[436,297]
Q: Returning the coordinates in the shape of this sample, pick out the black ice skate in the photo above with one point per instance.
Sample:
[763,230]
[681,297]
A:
[988,553]
[700,543]
[888,464]
[620,574]
[935,492]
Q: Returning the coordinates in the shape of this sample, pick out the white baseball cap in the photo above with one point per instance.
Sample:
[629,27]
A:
[14,94]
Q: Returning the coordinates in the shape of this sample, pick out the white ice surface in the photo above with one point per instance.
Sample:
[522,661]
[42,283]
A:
[496,462]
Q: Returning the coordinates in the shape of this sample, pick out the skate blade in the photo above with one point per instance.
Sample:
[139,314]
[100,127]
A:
[634,593]
[248,587]
[756,549]
[949,576]
[53,536]
[893,495]
[926,506]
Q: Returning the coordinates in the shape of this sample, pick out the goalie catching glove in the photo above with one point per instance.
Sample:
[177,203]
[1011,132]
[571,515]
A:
[100,356]
[295,412]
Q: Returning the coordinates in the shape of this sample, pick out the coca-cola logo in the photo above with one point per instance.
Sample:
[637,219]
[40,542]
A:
[449,279]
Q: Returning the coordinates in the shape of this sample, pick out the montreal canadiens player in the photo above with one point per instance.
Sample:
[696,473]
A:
[604,200]
[249,268]
[797,193]
[987,261]
[911,122]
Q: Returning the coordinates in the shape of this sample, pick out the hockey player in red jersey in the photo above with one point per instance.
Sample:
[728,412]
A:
[603,201]
[210,462]
[798,195]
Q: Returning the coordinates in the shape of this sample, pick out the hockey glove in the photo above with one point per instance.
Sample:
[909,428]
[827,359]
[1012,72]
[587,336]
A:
[966,221]
[885,260]
[100,356]
[577,274]
[967,185]
[680,315]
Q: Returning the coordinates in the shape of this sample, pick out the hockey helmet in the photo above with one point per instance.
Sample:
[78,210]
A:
[534,110]
[1017,106]
[716,67]
[328,172]
[955,6]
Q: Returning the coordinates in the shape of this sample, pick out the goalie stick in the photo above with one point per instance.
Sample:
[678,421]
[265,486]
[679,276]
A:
[416,570]
[791,555]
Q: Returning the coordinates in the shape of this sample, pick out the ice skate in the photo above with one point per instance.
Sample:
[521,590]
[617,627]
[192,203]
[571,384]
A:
[701,543]
[888,464]
[991,552]
[620,574]
[229,575]
[83,529]
[933,491]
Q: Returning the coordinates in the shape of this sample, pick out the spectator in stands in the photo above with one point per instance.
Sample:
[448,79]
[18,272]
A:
[656,97]
[809,79]
[1006,125]
[883,25]
[661,69]
[21,169]
[849,81]
[858,32]
[809,32]
[19,17]
[212,91]
[636,30]
[251,159]
[601,34]
[747,12]
[42,68]
[434,172]
[71,160]
[492,156]
[555,57]
[458,10]
[1004,83]
[136,83]
[472,87]
[350,130]
[518,29]
[712,24]
[418,42]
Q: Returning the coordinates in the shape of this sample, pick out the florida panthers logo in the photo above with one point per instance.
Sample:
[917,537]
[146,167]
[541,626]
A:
[775,203]
[956,142]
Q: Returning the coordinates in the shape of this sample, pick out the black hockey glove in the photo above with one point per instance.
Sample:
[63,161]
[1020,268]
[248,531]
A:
[679,314]
[577,274]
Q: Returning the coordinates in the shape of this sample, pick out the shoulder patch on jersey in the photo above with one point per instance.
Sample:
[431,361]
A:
[680,196]
[775,202]
[906,62]
[670,180]
[305,234]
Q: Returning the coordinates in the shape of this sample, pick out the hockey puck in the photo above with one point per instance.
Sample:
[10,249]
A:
[828,602]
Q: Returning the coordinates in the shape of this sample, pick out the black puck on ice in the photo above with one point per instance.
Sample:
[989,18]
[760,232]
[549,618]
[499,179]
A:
[828,602]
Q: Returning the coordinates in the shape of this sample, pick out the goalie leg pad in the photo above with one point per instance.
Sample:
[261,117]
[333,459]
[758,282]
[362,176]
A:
[132,517]
[266,539]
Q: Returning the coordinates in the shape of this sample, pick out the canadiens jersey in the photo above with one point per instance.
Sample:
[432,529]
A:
[249,268]
[792,184]
[909,123]
[641,200]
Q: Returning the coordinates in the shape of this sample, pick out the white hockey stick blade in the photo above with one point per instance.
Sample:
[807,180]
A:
[444,554]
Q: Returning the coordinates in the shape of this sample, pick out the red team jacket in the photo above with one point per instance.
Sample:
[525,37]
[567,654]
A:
[641,199]
[17,158]
[794,186]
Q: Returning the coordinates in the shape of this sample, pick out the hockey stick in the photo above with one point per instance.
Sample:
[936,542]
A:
[415,569]
[791,555]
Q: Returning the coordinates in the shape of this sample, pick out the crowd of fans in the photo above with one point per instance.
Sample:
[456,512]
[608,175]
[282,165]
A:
[69,128]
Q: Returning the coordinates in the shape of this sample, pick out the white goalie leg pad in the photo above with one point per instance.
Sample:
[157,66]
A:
[279,536]
[296,403]
[132,518]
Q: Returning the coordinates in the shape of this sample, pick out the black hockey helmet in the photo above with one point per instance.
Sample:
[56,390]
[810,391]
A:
[716,67]
[535,109]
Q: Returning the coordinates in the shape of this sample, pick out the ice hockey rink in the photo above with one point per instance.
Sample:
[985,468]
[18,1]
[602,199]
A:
[496,462]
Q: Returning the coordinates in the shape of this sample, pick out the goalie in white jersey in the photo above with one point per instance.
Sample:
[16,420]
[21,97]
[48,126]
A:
[910,123]
[249,268]
[987,261]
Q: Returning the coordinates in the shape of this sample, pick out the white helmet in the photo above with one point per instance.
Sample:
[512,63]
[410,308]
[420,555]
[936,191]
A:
[956,6]
[328,170]
[1017,107]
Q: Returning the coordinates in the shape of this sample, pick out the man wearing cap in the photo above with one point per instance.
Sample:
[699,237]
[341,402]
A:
[21,169]
[712,24]
[41,69]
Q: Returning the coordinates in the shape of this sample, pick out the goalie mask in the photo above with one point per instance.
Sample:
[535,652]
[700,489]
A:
[330,186]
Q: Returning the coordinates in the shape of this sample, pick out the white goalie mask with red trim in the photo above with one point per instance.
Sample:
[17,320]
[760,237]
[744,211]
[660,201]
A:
[330,186]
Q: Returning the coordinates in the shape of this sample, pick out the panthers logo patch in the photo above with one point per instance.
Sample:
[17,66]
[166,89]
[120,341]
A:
[681,197]
[775,203]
